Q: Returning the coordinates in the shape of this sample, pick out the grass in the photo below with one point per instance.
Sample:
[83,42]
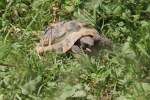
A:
[121,73]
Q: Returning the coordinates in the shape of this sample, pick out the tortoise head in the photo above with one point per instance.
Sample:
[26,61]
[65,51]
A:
[86,43]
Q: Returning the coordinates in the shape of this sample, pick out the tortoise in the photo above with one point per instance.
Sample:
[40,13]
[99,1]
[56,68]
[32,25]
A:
[75,36]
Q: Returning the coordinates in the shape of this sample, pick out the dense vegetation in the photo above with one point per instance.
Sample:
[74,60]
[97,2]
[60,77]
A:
[119,74]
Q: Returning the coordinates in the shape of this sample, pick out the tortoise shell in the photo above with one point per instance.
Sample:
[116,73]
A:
[60,37]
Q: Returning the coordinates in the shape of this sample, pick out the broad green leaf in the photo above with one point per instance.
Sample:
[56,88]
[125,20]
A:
[68,91]
[1,97]
[122,98]
[117,10]
[79,93]
[143,50]
[37,3]
[145,86]
[136,17]
[148,8]
[144,23]
[30,86]
[69,8]
[91,97]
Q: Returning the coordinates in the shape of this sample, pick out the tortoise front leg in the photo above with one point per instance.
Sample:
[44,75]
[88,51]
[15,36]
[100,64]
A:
[76,49]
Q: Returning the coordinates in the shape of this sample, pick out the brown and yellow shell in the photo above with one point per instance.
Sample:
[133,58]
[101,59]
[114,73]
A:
[64,36]
[68,41]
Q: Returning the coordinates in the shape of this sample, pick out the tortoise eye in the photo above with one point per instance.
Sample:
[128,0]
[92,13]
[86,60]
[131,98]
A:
[84,46]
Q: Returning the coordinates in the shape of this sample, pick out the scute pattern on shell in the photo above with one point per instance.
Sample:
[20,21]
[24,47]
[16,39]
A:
[61,36]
